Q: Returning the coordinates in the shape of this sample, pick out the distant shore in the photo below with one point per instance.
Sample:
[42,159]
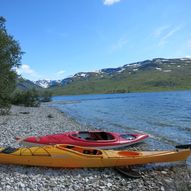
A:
[43,120]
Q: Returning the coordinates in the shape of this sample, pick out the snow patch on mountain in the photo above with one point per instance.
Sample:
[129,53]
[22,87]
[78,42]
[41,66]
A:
[43,83]
[156,64]
[159,69]
[122,69]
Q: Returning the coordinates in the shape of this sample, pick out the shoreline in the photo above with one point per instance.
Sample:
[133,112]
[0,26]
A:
[24,121]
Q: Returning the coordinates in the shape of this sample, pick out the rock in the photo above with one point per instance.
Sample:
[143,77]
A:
[8,187]
[162,188]
[169,180]
[34,178]
[20,184]
[109,185]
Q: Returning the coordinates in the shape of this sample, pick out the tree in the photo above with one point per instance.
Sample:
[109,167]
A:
[29,98]
[10,57]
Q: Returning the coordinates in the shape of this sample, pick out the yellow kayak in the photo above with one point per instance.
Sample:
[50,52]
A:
[69,156]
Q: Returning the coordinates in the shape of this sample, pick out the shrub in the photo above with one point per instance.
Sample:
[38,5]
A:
[4,105]
[46,96]
[29,98]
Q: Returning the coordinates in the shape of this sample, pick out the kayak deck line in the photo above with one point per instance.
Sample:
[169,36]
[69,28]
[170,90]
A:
[69,156]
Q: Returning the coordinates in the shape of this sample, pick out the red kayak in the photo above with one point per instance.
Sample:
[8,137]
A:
[97,139]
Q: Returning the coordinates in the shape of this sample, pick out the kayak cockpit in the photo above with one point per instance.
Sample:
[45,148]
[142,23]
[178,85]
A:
[81,150]
[8,150]
[93,136]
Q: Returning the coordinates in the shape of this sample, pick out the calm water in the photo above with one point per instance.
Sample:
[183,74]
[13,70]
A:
[166,116]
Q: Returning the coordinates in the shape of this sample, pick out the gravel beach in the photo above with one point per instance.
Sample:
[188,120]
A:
[43,120]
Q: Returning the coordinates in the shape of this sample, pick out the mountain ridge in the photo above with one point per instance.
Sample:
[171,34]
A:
[158,74]
[109,71]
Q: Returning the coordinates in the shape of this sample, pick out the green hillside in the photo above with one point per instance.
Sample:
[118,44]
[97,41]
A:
[156,75]
[23,84]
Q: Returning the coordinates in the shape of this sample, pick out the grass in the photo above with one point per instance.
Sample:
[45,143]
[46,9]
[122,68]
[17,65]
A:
[143,80]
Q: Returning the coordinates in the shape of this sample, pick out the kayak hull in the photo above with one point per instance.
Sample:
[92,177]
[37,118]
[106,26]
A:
[96,139]
[64,156]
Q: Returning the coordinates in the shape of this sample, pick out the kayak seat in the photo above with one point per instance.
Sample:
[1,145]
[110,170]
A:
[91,152]
[86,152]
[94,152]
[69,147]
[90,139]
[9,150]
[103,136]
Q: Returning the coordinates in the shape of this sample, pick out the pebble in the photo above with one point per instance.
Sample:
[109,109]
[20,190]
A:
[168,180]
[162,188]
[36,122]
[109,184]
[164,172]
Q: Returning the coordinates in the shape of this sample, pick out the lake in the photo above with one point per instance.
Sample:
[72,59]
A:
[165,116]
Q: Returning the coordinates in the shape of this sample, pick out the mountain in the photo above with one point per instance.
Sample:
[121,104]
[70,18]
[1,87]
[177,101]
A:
[43,83]
[150,75]
[24,84]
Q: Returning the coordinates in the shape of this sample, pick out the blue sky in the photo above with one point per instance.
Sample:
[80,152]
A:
[63,37]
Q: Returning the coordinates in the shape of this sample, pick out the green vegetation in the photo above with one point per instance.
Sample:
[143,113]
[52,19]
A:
[30,98]
[27,94]
[10,57]
[23,84]
[173,75]
[45,96]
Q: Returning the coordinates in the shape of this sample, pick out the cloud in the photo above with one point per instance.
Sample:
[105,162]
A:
[110,2]
[26,71]
[164,33]
[60,73]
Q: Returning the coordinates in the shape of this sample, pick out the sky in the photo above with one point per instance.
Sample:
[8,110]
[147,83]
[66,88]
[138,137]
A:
[64,37]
